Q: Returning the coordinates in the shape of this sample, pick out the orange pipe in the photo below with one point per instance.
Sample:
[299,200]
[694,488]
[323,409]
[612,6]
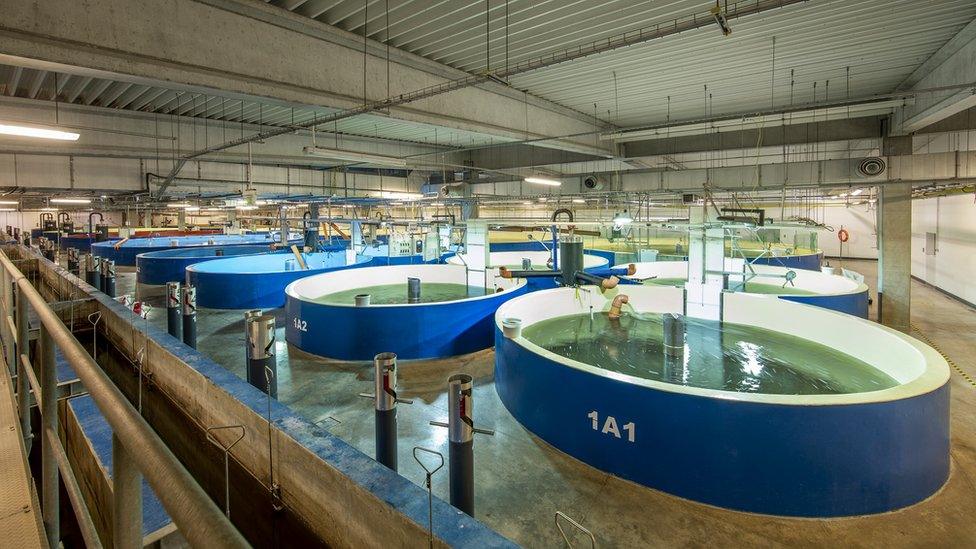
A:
[616,305]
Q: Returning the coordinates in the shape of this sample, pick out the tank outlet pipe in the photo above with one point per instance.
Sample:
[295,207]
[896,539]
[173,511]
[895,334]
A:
[248,315]
[605,284]
[108,277]
[505,272]
[189,302]
[73,261]
[629,270]
[674,335]
[413,290]
[262,366]
[91,225]
[95,271]
[219,252]
[362,300]
[173,324]
[526,264]
[616,305]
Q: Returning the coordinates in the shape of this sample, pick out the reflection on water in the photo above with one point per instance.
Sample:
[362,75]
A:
[729,357]
[391,294]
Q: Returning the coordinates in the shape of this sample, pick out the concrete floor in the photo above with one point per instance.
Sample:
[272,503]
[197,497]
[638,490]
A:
[521,481]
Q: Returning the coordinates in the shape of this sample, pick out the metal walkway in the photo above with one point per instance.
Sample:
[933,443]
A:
[20,516]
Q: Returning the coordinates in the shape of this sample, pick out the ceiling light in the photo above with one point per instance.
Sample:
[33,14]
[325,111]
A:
[543,181]
[178,205]
[8,209]
[856,192]
[356,157]
[27,131]
[527,202]
[720,19]
[579,201]
[247,207]
[9,202]
[192,208]
[436,204]
[70,201]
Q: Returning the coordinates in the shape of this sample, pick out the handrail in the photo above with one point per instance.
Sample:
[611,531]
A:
[196,515]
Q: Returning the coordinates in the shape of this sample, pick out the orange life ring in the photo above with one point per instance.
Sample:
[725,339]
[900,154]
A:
[843,235]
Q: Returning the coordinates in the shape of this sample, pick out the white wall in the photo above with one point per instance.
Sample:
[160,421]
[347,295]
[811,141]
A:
[953,267]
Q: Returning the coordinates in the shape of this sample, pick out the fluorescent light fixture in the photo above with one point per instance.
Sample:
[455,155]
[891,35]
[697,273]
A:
[42,133]
[192,208]
[579,201]
[356,157]
[856,192]
[436,204]
[247,207]
[720,19]
[397,195]
[527,202]
[70,201]
[178,205]
[49,209]
[8,209]
[543,181]
[9,202]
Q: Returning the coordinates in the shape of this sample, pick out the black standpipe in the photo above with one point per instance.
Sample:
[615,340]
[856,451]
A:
[385,365]
[173,321]
[460,429]
[108,277]
[94,271]
[189,299]
[413,290]
[262,367]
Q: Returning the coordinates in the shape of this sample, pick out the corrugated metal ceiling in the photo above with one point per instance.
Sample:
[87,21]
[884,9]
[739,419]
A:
[881,41]
[83,90]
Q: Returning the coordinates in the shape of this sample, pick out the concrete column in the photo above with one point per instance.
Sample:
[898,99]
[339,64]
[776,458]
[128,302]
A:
[895,255]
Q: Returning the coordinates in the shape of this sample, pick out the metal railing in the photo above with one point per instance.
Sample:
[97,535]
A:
[137,450]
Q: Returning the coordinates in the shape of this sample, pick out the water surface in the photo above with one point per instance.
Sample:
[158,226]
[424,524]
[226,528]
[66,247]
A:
[730,357]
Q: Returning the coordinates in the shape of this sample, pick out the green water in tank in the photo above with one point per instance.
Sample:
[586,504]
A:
[723,356]
[751,287]
[393,294]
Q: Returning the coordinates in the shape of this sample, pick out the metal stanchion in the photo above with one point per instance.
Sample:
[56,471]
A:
[49,420]
[173,309]
[190,315]
[261,354]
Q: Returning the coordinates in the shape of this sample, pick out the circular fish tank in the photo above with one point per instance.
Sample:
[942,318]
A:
[829,291]
[675,249]
[124,252]
[820,415]
[448,318]
[259,281]
[539,260]
[164,266]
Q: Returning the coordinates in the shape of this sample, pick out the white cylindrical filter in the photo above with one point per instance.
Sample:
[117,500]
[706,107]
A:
[512,327]
[362,300]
